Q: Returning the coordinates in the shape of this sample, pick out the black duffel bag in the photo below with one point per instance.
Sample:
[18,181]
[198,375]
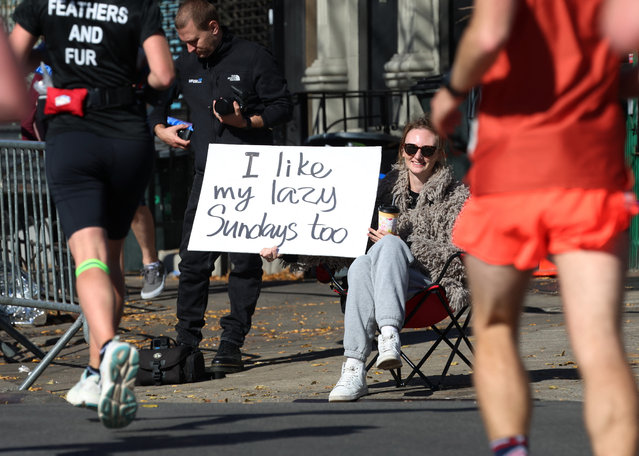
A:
[167,363]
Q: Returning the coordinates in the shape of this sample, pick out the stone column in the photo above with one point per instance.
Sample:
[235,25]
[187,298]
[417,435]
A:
[417,50]
[328,72]
[417,44]
[341,40]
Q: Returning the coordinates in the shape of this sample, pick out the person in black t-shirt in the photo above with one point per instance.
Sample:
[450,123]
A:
[99,156]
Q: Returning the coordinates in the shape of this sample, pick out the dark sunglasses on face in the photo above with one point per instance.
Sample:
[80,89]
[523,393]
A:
[427,151]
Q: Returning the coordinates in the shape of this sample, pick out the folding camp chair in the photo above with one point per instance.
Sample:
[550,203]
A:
[339,284]
[426,309]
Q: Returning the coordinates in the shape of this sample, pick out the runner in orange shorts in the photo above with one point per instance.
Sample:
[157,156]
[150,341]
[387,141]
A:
[548,177]
[523,228]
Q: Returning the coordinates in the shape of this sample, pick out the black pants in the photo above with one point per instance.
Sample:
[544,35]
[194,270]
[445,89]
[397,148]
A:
[245,281]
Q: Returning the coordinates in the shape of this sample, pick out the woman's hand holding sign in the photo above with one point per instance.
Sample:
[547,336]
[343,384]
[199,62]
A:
[270,253]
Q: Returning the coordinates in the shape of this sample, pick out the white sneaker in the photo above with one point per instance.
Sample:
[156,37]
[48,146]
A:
[389,356]
[351,385]
[85,393]
[117,405]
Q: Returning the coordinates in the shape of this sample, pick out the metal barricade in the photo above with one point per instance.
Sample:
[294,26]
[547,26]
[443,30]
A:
[36,268]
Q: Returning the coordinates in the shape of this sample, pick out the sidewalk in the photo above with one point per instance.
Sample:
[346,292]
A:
[294,351]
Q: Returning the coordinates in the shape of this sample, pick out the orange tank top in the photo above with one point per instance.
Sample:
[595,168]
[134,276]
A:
[550,114]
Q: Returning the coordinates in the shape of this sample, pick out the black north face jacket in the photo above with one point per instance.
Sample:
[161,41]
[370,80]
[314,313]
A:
[237,69]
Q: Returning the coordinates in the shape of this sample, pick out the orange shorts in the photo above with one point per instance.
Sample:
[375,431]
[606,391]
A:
[522,228]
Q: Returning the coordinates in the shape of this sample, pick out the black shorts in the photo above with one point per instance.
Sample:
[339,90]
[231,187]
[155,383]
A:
[97,181]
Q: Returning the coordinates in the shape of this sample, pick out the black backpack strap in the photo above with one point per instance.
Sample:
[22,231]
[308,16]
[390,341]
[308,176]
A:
[156,374]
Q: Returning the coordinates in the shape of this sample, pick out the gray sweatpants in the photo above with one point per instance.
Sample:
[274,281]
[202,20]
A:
[379,284]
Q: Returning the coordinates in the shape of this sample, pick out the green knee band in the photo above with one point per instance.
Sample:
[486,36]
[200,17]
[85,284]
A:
[91,263]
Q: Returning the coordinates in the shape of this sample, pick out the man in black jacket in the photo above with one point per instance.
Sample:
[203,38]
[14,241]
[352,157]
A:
[235,93]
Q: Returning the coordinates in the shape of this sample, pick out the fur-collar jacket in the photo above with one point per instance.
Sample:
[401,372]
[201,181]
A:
[427,228]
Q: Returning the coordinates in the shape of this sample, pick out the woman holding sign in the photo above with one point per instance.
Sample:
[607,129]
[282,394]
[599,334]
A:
[98,163]
[418,203]
[427,198]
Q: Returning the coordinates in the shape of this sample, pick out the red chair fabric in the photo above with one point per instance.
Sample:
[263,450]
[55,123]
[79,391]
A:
[422,314]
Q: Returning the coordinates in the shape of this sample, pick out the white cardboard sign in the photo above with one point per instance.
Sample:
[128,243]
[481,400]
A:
[306,200]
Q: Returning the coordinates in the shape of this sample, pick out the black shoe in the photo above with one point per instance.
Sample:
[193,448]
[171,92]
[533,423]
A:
[227,360]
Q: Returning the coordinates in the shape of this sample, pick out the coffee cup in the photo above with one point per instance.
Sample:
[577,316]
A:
[387,219]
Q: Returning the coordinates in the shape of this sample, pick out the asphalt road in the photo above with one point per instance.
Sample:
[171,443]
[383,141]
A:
[278,405]
[295,428]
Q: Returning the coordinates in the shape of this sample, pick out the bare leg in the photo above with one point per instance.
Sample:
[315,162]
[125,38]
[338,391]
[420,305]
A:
[500,379]
[144,230]
[592,287]
[117,278]
[100,294]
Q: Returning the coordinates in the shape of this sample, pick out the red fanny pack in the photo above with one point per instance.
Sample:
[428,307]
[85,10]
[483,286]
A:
[65,100]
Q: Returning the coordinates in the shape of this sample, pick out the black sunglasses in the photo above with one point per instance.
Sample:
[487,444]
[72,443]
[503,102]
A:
[427,151]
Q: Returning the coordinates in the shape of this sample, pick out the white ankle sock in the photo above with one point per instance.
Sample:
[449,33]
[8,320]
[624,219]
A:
[352,362]
[388,331]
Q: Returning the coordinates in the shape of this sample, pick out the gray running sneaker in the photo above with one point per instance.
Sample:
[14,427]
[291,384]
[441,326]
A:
[154,278]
